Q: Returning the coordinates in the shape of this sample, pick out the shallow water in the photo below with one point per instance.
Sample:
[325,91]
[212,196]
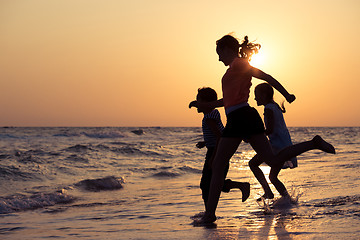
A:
[121,183]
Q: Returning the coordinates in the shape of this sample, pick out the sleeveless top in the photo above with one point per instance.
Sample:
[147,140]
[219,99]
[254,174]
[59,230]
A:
[236,83]
[280,137]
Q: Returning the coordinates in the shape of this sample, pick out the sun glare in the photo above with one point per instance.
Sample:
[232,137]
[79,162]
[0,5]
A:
[257,60]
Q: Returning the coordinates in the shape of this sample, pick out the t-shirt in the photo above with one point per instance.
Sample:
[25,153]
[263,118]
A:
[236,83]
[209,136]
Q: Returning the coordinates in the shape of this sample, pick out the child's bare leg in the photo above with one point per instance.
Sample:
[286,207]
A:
[226,148]
[322,145]
[261,145]
[294,150]
[280,187]
[254,164]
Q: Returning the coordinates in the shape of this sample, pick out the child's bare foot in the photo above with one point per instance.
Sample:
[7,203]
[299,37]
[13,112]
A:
[265,196]
[245,189]
[198,215]
[323,145]
[205,220]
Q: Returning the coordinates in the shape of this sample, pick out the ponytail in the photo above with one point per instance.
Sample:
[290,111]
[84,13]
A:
[247,49]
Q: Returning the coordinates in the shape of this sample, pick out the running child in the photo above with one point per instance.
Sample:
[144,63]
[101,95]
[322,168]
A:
[212,129]
[279,137]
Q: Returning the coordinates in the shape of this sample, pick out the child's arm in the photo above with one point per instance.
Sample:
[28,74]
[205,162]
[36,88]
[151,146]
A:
[269,121]
[273,82]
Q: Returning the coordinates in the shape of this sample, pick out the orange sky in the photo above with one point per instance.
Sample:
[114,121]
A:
[139,63]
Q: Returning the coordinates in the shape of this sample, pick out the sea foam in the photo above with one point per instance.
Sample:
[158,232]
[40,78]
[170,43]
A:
[39,200]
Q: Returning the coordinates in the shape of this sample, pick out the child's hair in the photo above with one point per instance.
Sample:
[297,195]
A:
[247,49]
[267,91]
[207,94]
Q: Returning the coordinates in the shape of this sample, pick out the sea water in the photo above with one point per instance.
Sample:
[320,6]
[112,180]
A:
[131,183]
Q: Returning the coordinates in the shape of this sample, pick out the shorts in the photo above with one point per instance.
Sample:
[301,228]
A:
[243,123]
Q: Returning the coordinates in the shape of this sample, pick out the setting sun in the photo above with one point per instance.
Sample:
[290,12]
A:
[139,63]
[257,60]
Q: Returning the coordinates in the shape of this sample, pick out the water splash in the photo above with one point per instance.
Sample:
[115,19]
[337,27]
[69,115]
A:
[281,203]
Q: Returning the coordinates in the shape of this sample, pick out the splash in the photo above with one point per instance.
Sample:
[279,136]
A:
[265,204]
[281,203]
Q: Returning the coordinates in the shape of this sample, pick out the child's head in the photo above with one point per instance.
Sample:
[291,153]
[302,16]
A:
[264,94]
[206,94]
[229,43]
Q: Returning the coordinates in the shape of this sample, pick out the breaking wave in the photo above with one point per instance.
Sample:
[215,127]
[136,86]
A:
[39,200]
[107,183]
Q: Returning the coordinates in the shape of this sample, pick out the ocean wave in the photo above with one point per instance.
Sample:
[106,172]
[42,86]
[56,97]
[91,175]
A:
[119,143]
[347,206]
[72,134]
[78,148]
[338,201]
[138,132]
[188,169]
[76,158]
[355,165]
[143,169]
[166,174]
[14,173]
[126,150]
[7,136]
[122,148]
[104,135]
[130,149]
[4,156]
[20,202]
[100,184]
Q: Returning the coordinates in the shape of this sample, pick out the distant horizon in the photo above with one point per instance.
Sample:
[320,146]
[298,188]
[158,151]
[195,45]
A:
[154,126]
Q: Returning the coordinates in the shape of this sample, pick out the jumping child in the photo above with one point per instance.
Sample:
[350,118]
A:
[279,138]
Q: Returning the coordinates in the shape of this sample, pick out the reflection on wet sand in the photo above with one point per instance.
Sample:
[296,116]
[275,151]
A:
[255,226]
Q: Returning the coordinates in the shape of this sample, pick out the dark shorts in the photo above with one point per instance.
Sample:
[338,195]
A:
[243,123]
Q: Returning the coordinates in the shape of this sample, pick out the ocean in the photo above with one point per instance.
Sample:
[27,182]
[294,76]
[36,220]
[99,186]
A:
[143,183]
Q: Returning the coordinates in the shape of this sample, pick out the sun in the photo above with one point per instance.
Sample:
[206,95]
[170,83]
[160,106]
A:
[257,60]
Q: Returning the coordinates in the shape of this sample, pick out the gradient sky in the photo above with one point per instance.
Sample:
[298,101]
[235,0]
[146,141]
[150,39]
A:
[140,62]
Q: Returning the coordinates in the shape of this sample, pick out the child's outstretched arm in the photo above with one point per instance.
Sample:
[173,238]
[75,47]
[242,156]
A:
[273,82]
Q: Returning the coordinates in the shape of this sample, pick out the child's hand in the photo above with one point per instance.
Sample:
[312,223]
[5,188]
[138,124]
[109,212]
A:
[290,98]
[200,144]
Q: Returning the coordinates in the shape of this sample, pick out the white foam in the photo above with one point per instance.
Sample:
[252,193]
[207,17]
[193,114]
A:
[20,202]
